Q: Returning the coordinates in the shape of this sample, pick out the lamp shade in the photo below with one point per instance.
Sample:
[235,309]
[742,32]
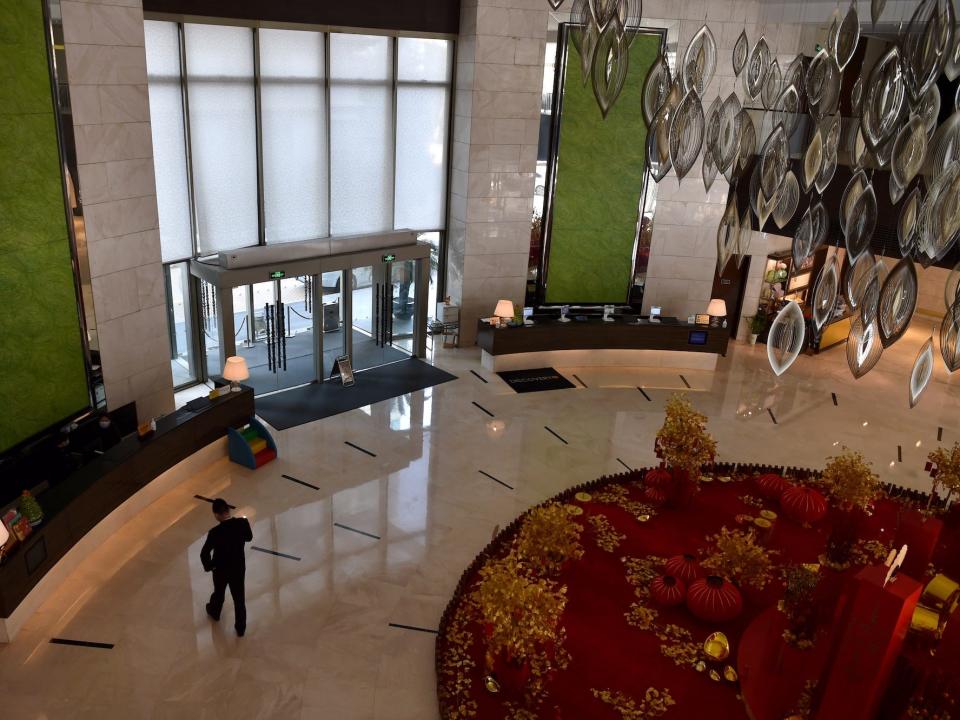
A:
[504,309]
[235,369]
[717,308]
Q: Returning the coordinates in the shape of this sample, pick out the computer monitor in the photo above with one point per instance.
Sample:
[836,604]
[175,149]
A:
[527,313]
[655,311]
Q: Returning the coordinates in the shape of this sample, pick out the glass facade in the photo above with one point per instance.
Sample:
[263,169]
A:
[265,136]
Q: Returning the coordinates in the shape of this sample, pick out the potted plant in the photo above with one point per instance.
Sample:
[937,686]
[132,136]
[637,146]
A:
[758,324]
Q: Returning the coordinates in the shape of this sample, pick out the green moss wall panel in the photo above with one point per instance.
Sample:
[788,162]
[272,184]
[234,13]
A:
[600,172]
[41,352]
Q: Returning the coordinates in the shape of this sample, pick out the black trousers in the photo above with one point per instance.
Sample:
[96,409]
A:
[222,579]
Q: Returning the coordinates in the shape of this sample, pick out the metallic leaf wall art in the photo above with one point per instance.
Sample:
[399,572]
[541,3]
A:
[611,61]
[848,35]
[927,42]
[744,236]
[909,151]
[590,37]
[861,223]
[555,4]
[943,150]
[580,18]
[870,300]
[830,132]
[882,99]
[603,12]
[830,90]
[757,66]
[747,140]
[787,200]
[928,108]
[951,289]
[656,87]
[700,61]
[898,300]
[825,294]
[712,129]
[786,110]
[952,66]
[795,74]
[941,221]
[921,373]
[728,140]
[858,277]
[658,139]
[819,225]
[771,86]
[876,9]
[817,76]
[863,346]
[812,160]
[950,337]
[855,186]
[708,170]
[740,50]
[827,170]
[686,134]
[786,337]
[802,239]
[896,192]
[907,223]
[727,234]
[774,157]
[861,151]
[856,95]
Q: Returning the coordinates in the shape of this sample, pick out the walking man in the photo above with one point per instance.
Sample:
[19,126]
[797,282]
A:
[223,554]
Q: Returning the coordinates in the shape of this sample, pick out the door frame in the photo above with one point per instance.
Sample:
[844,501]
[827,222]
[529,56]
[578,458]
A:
[225,279]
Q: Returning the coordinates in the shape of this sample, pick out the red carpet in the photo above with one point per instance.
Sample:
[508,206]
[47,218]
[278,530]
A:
[606,652]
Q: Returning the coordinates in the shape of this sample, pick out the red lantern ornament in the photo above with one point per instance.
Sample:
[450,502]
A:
[684,568]
[658,478]
[713,599]
[803,505]
[667,591]
[655,495]
[771,485]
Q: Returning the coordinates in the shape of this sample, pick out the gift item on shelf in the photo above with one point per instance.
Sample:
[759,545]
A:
[30,509]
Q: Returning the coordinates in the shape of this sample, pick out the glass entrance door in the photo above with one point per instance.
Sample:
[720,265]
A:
[277,322]
[383,313]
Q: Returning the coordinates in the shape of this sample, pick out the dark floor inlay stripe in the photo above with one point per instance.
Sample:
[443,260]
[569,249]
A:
[480,377]
[684,381]
[482,408]
[555,435]
[899,453]
[357,447]
[293,479]
[210,500]
[274,552]
[414,627]
[359,532]
[771,416]
[834,395]
[579,380]
[624,464]
[939,434]
[81,643]
[509,487]
[645,394]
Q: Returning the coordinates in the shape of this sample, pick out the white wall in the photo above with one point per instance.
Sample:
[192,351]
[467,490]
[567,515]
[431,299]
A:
[107,71]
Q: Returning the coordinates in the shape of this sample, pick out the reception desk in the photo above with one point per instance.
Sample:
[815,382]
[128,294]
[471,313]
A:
[84,509]
[594,342]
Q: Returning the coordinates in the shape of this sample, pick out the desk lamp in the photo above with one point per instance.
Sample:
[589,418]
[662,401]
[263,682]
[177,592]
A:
[716,309]
[504,312]
[235,370]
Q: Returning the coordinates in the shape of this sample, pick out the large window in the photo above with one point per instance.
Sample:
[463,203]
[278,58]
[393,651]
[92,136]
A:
[270,136]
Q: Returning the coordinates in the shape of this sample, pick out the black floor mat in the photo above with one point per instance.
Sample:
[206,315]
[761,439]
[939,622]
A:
[301,405]
[535,380]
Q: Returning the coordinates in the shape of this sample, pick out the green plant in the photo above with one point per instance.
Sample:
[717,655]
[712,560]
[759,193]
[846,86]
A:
[758,323]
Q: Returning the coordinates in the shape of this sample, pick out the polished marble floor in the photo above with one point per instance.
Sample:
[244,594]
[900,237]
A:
[322,640]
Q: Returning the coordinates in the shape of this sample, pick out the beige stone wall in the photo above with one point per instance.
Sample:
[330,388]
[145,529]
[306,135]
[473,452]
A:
[107,72]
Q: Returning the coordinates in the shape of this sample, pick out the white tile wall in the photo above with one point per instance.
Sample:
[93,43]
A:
[108,93]
[496,130]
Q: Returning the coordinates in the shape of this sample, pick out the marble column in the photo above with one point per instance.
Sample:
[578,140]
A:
[107,72]
[499,78]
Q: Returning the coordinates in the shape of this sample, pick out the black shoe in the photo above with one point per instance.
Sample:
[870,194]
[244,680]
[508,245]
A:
[241,631]
[215,616]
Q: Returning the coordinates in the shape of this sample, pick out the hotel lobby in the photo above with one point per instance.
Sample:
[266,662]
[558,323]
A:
[566,358]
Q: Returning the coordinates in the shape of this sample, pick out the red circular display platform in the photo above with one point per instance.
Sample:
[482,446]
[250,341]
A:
[607,653]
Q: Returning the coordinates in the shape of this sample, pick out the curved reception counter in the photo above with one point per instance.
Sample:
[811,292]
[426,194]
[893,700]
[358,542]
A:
[88,506]
[595,342]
